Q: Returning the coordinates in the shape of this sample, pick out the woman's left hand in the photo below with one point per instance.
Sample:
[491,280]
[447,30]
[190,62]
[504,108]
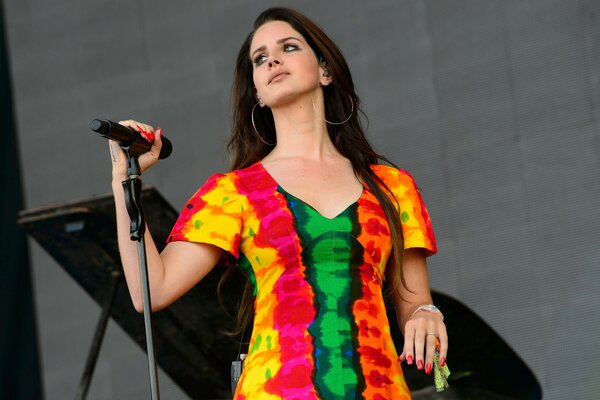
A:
[420,335]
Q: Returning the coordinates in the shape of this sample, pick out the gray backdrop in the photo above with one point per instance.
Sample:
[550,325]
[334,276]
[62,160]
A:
[494,106]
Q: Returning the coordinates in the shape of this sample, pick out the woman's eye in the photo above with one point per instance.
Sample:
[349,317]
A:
[258,60]
[261,58]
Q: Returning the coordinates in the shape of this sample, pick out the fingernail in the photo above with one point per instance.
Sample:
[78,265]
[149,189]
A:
[149,136]
[442,361]
[158,130]
[409,360]
[428,368]
[419,364]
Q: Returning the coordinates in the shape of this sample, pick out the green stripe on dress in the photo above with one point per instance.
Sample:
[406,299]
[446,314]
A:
[326,244]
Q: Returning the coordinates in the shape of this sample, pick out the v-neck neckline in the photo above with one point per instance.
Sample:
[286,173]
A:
[339,214]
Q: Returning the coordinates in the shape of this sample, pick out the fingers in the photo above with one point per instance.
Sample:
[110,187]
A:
[420,334]
[409,344]
[153,136]
[419,346]
[136,125]
[443,347]
[402,357]
[145,130]
[430,347]
[157,140]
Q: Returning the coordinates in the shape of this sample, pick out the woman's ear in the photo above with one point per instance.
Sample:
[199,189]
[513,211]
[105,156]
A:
[325,77]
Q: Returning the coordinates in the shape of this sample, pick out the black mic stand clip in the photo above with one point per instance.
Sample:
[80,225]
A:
[132,188]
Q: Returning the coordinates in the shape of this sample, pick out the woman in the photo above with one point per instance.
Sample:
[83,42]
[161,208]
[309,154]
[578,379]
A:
[314,221]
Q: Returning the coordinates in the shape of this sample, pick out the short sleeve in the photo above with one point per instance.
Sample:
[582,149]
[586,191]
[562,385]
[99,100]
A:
[416,224]
[213,215]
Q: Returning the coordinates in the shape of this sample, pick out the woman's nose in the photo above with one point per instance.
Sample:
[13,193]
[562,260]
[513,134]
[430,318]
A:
[273,61]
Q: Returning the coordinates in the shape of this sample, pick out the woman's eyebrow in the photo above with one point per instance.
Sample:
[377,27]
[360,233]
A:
[285,39]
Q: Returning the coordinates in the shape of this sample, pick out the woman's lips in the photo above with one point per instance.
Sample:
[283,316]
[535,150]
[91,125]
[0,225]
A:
[278,76]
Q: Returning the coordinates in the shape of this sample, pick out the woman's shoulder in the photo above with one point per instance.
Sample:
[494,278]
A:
[233,175]
[234,180]
[391,175]
[221,183]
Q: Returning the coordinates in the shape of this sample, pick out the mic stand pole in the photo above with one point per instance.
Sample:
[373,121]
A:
[132,188]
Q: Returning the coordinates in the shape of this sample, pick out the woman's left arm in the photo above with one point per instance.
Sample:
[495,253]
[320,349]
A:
[422,327]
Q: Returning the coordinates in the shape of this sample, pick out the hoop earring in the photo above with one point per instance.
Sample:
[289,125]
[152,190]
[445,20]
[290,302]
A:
[256,131]
[336,123]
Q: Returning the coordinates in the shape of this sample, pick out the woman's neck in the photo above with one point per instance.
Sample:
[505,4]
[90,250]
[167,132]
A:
[302,131]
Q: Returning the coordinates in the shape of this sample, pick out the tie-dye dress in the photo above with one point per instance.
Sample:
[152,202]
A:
[320,327]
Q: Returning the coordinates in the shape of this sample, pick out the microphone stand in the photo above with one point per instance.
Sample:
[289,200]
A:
[132,187]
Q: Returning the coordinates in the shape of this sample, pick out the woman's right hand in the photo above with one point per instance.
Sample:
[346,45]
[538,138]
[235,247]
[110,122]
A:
[146,160]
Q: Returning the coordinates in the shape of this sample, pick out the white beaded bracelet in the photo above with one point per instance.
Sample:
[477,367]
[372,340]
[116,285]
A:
[428,308]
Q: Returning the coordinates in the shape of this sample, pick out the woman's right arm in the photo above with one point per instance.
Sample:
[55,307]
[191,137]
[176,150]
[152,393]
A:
[181,264]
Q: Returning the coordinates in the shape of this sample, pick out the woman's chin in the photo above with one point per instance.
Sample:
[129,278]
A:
[287,98]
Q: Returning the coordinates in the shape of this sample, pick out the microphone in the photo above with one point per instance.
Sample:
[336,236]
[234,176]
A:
[129,137]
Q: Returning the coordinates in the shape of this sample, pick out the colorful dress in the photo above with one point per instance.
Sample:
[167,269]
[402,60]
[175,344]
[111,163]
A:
[320,326]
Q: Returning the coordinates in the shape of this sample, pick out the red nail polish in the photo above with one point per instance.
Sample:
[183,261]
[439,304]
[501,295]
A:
[409,360]
[442,361]
[428,368]
[149,136]
[419,364]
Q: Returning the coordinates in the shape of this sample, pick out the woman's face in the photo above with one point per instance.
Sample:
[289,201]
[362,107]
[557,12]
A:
[284,65]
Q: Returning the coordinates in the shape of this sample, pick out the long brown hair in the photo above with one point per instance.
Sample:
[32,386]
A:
[349,138]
